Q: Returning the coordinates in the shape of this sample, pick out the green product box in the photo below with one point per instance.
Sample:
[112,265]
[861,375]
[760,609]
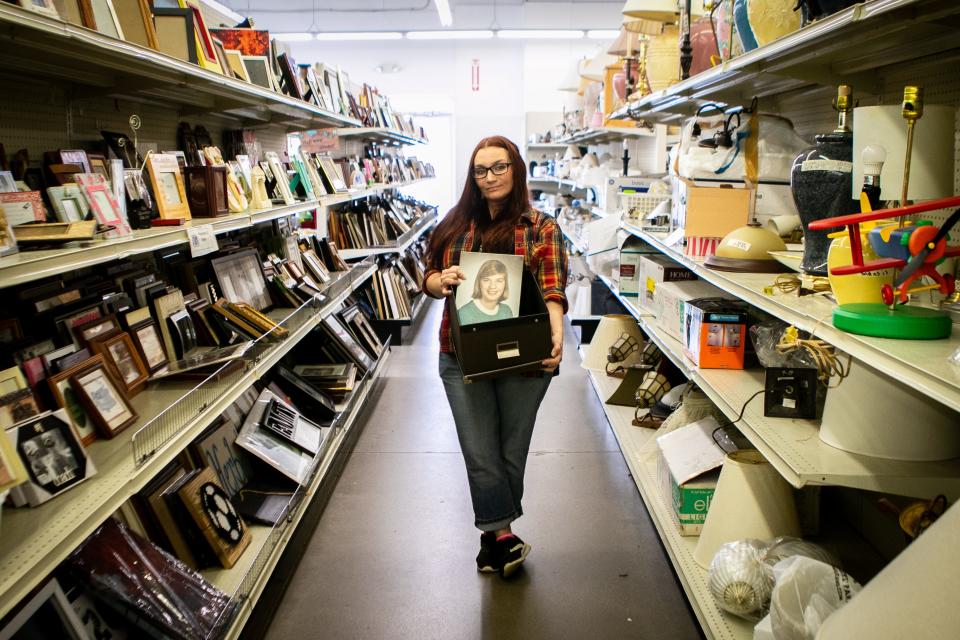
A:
[688,465]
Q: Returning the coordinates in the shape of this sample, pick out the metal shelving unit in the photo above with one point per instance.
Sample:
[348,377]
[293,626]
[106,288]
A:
[382,135]
[399,246]
[851,47]
[36,540]
[639,451]
[921,364]
[794,447]
[98,65]
[604,135]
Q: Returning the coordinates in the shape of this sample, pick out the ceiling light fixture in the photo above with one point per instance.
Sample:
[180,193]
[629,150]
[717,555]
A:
[602,34]
[299,36]
[449,35]
[540,34]
[443,8]
[388,67]
[360,35]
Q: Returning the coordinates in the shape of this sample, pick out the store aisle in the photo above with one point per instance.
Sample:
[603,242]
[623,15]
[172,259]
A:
[393,555]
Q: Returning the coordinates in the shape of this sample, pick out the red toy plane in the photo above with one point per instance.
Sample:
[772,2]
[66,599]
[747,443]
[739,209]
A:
[927,246]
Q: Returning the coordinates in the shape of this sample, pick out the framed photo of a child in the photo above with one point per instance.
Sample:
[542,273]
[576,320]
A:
[492,288]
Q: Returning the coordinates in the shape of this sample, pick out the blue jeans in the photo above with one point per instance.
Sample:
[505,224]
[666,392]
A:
[494,421]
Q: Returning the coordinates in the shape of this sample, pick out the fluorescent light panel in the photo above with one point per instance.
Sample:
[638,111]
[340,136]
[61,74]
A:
[540,34]
[602,34]
[449,35]
[293,37]
[443,8]
[360,35]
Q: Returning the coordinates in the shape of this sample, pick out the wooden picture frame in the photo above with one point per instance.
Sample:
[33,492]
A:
[175,33]
[16,407]
[104,18]
[124,362]
[235,61]
[106,210]
[66,397]
[55,232]
[291,78]
[43,7]
[103,398]
[216,516]
[75,156]
[332,174]
[221,52]
[136,20]
[168,188]
[280,175]
[99,166]
[149,343]
[96,330]
[206,53]
[64,174]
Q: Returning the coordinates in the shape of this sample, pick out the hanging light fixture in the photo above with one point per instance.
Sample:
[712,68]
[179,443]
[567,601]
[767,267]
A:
[659,10]
[443,8]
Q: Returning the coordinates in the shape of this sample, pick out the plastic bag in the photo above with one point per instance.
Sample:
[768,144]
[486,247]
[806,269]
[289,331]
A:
[740,581]
[155,591]
[765,337]
[807,591]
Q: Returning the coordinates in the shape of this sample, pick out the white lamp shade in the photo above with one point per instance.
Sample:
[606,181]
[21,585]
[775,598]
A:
[752,500]
[874,415]
[662,10]
[608,332]
[571,78]
[596,67]
[913,597]
[627,44]
[931,163]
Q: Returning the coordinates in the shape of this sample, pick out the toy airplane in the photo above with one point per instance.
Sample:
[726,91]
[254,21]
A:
[915,250]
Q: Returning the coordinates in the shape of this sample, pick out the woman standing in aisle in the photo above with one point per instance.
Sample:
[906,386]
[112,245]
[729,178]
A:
[495,417]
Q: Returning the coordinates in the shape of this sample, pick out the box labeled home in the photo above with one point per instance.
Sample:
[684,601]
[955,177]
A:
[511,345]
[632,250]
[655,270]
[688,466]
[714,332]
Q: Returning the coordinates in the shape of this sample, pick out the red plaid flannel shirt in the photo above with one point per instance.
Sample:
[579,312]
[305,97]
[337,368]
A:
[538,239]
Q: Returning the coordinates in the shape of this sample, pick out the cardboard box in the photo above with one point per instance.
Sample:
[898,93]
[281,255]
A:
[715,330]
[500,347]
[712,209]
[631,268]
[657,268]
[688,466]
[670,298]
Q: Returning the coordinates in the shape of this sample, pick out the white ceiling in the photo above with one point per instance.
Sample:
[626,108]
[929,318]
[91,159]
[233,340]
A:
[410,15]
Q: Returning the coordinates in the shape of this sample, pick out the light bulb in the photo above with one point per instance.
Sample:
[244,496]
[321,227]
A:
[873,157]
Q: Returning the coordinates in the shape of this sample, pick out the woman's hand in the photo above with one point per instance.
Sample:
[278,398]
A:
[449,278]
[556,354]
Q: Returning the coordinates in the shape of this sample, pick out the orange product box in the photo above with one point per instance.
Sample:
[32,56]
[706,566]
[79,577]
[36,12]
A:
[715,330]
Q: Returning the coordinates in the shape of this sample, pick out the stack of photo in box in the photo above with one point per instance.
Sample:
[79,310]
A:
[334,380]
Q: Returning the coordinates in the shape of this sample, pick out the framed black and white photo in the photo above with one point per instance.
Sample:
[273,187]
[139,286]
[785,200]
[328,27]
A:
[53,455]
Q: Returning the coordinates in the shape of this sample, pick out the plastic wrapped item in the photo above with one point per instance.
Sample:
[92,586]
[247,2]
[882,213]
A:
[787,547]
[740,580]
[807,591]
[766,336]
[154,590]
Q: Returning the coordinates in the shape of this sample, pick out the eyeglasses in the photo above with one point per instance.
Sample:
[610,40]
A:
[480,172]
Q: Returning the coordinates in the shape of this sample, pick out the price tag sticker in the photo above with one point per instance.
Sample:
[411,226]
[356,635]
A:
[202,240]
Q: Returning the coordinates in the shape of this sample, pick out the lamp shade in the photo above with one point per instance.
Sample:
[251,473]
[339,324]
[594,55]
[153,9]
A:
[627,44]
[872,414]
[661,10]
[609,331]
[747,249]
[752,500]
[645,27]
[931,164]
[911,597]
[596,68]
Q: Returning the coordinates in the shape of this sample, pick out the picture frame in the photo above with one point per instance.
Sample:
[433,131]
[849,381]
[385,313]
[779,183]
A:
[22,207]
[182,332]
[332,81]
[50,604]
[100,328]
[43,7]
[280,175]
[124,361]
[258,71]
[149,343]
[216,517]
[225,67]
[240,278]
[16,407]
[248,42]
[206,54]
[235,61]
[54,457]
[8,241]
[290,77]
[175,33]
[168,188]
[332,174]
[98,165]
[75,156]
[7,183]
[105,18]
[316,95]
[12,470]
[136,21]
[103,399]
[202,359]
[336,330]
[48,233]
[63,174]
[106,210]
[69,321]
[66,397]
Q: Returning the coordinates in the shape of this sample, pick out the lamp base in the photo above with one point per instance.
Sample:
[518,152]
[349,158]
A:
[743,265]
[903,322]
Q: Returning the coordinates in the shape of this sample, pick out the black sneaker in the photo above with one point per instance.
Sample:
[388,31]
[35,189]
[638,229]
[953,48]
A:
[489,560]
[513,552]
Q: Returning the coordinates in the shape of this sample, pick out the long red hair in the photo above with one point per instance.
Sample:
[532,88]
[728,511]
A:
[472,207]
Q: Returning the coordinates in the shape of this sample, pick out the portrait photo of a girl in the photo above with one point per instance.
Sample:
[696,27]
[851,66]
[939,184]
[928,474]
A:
[491,292]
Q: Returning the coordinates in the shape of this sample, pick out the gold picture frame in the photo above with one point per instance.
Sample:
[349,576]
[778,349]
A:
[43,7]
[136,20]
[168,189]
